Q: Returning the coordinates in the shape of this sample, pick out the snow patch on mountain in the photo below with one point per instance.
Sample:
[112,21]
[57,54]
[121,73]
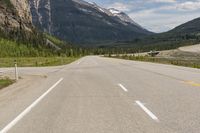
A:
[85,10]
[83,22]
[114,11]
[101,9]
[123,16]
[82,2]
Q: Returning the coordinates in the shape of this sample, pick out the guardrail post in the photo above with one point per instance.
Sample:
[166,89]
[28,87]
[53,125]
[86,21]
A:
[16,71]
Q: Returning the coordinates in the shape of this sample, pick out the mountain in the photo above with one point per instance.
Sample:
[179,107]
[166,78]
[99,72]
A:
[191,27]
[184,34]
[82,22]
[18,37]
[122,16]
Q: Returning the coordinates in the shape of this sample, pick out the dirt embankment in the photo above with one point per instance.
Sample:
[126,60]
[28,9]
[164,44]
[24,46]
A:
[192,49]
[182,52]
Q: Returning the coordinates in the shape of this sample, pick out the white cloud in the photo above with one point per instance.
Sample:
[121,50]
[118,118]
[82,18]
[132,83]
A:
[163,1]
[189,5]
[120,6]
[164,18]
[158,15]
[155,21]
[183,6]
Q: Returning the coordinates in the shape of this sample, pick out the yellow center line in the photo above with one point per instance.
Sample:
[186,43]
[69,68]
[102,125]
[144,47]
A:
[192,83]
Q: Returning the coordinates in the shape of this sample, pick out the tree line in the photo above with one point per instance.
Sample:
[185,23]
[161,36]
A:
[20,43]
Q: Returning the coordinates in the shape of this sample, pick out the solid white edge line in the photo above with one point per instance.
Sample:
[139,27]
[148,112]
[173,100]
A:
[28,109]
[120,85]
[147,111]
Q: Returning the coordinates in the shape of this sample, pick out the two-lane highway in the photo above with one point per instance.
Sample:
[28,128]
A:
[103,95]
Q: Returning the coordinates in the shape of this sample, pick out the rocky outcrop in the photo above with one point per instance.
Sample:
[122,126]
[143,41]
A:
[41,14]
[15,14]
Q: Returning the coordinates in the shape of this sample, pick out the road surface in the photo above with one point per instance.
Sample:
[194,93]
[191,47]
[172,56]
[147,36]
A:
[103,95]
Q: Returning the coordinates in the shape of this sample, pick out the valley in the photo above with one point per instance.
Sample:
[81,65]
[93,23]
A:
[87,27]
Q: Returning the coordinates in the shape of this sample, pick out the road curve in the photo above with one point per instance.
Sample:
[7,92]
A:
[103,95]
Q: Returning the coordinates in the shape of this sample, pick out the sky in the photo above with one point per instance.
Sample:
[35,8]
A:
[156,15]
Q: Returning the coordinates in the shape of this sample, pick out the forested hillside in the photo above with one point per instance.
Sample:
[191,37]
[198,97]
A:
[185,34]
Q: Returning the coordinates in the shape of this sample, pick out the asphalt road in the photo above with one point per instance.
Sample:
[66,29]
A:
[102,95]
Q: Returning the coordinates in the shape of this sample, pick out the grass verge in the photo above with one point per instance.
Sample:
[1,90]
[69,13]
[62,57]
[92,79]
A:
[4,82]
[193,63]
[36,61]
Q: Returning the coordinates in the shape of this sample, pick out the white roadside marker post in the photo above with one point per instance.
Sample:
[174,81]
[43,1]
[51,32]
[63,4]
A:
[16,71]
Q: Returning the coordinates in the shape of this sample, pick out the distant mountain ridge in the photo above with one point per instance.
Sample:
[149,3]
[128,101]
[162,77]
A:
[190,27]
[88,24]
[82,22]
[184,34]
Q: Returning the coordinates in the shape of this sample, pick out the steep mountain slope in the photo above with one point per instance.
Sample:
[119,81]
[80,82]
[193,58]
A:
[18,37]
[122,16]
[82,22]
[41,14]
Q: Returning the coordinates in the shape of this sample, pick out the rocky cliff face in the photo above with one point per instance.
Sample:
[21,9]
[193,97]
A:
[15,14]
[82,22]
[41,14]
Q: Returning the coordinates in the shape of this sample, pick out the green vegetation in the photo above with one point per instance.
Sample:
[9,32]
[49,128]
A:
[4,82]
[20,43]
[11,48]
[31,49]
[36,61]
[173,61]
[17,42]
[55,40]
[165,41]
